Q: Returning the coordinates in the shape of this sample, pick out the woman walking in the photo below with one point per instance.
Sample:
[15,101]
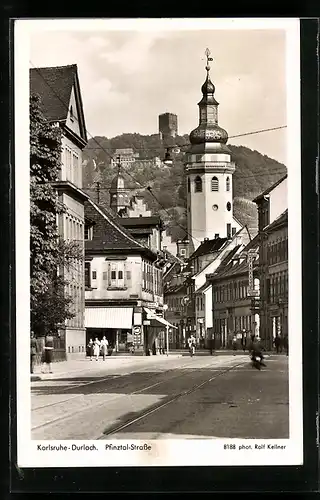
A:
[90,348]
[48,353]
[96,349]
[234,344]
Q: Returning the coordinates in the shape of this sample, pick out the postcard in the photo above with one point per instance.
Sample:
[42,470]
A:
[158,242]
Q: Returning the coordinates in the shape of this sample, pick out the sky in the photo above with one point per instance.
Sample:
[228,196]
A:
[129,77]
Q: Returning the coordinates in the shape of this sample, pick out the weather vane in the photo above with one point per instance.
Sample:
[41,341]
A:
[208,54]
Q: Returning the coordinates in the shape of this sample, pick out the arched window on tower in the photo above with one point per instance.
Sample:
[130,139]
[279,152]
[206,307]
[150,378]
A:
[198,185]
[228,184]
[214,184]
[188,182]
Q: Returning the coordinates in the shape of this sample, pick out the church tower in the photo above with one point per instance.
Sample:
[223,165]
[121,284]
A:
[209,170]
[119,196]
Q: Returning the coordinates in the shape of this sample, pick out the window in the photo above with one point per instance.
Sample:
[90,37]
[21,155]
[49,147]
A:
[228,184]
[87,281]
[228,206]
[183,251]
[198,185]
[120,275]
[75,168]
[214,184]
[188,182]
[228,230]
[113,275]
[88,232]
[94,275]
[234,230]
[68,159]
[105,275]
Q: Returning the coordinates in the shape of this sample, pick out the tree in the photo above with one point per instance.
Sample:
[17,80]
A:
[50,305]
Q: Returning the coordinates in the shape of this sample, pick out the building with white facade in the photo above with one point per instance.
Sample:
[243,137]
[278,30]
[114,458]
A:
[209,168]
[124,156]
[61,103]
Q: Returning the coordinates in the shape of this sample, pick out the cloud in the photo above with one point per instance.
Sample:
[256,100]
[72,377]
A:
[133,56]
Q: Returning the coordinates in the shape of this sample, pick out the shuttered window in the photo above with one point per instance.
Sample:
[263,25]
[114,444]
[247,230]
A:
[214,184]
[198,185]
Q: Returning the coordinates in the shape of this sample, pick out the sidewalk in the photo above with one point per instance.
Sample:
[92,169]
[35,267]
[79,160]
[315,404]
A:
[80,366]
[84,365]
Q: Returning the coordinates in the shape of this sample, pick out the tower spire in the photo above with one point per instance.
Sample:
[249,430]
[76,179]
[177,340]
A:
[119,196]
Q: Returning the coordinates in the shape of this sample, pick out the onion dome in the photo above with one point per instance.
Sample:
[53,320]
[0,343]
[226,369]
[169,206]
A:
[208,87]
[208,133]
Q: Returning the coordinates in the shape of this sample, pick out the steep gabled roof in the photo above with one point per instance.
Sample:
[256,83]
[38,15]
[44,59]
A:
[278,222]
[54,86]
[269,189]
[208,247]
[229,268]
[108,235]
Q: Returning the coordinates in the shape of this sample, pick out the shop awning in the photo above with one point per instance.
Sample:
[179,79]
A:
[151,315]
[108,317]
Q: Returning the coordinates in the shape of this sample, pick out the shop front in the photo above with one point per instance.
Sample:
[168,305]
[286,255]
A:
[114,323]
[157,332]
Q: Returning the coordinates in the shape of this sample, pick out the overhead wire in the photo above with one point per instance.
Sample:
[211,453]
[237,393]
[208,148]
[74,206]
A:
[93,138]
[148,188]
[188,145]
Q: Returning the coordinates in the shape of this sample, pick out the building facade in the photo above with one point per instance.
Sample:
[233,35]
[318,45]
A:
[122,279]
[61,102]
[235,297]
[271,204]
[124,156]
[276,301]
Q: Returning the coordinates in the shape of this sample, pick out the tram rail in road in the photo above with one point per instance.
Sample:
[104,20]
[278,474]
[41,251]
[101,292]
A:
[170,400]
[187,366]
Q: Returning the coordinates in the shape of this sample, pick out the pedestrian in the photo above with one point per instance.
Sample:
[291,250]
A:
[243,340]
[277,343]
[234,344]
[47,355]
[104,347]
[33,352]
[96,348]
[212,344]
[90,348]
[192,344]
